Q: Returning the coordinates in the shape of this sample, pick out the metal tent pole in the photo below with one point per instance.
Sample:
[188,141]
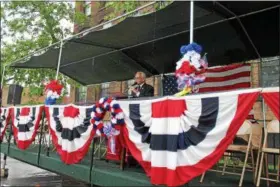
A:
[171,35]
[2,77]
[243,28]
[59,60]
[157,39]
[4,171]
[191,21]
[56,78]
[87,30]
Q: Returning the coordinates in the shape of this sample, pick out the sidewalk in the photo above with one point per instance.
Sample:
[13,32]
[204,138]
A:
[21,174]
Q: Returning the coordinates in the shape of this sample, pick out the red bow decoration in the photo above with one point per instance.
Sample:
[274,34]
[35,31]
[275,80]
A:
[186,68]
[71,112]
[25,111]
[54,86]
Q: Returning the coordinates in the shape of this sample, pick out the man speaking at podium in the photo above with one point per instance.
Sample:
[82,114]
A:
[140,88]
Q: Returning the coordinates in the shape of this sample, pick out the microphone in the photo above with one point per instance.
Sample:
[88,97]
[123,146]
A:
[134,85]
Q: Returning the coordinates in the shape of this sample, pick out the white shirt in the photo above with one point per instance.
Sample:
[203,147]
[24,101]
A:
[140,86]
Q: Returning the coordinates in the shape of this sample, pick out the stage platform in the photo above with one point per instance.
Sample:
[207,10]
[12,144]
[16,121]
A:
[108,173]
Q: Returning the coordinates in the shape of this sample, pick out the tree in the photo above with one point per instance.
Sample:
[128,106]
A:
[28,26]
[121,7]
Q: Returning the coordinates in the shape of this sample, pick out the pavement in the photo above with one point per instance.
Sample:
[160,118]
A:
[22,174]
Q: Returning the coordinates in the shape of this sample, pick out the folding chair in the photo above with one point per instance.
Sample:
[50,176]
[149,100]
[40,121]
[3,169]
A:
[245,129]
[272,128]
[256,145]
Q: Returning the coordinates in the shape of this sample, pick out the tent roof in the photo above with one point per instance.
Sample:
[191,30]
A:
[151,43]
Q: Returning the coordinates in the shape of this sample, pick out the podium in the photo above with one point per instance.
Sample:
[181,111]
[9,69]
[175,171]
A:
[119,95]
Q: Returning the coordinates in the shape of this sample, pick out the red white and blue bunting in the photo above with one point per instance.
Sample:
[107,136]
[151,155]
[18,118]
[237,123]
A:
[271,98]
[70,130]
[174,139]
[73,127]
[99,110]
[4,120]
[53,91]
[26,121]
[112,129]
[177,139]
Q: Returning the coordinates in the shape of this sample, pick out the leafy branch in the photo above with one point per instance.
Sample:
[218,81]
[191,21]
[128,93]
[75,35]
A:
[28,26]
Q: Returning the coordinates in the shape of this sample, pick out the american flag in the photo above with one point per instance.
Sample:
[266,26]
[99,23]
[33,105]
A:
[218,78]
[169,85]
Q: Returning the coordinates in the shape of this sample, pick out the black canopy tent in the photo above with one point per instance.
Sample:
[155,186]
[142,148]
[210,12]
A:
[151,43]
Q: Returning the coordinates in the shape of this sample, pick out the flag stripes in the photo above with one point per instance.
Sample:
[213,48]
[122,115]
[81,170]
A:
[271,97]
[172,144]
[4,120]
[71,130]
[26,122]
[224,78]
[218,78]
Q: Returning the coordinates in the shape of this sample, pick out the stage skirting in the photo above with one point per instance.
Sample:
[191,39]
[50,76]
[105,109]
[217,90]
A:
[173,138]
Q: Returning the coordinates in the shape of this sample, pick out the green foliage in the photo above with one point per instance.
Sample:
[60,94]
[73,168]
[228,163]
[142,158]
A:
[121,7]
[29,26]
[59,100]
[32,102]
[35,91]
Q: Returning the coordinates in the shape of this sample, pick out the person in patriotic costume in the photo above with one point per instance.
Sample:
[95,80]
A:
[53,91]
[190,68]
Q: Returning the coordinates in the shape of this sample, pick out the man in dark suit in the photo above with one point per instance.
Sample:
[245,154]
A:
[141,89]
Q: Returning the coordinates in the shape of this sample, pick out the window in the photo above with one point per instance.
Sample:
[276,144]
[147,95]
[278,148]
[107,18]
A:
[105,89]
[81,94]
[270,72]
[87,8]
